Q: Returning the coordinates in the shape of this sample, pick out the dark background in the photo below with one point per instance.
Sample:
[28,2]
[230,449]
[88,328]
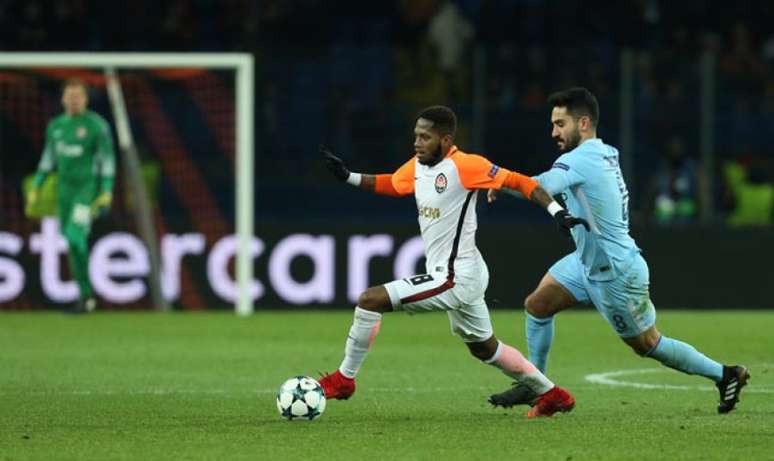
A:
[354,74]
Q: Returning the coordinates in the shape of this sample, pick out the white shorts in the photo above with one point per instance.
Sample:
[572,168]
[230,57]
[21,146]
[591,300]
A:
[463,300]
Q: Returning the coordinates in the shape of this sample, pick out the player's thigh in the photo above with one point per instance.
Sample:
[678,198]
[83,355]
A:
[625,301]
[471,322]
[422,293]
[560,288]
[75,220]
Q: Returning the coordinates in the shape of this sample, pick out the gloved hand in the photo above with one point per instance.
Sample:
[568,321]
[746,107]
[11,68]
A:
[334,164]
[566,221]
[32,202]
[101,205]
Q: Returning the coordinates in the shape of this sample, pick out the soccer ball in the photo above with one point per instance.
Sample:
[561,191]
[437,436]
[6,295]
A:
[301,397]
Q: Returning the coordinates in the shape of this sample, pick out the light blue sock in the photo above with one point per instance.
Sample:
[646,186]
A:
[684,357]
[540,336]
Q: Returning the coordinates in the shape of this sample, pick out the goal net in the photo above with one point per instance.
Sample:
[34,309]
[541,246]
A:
[179,231]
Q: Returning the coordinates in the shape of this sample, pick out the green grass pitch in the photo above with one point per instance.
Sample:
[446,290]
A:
[202,386]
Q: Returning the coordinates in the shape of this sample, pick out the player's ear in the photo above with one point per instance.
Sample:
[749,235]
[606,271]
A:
[584,123]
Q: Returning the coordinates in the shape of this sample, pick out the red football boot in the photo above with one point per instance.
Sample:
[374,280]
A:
[557,399]
[337,386]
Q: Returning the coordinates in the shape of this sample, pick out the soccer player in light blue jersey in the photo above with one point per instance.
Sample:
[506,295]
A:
[606,269]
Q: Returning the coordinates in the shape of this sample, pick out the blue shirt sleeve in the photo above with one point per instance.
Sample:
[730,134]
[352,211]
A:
[564,174]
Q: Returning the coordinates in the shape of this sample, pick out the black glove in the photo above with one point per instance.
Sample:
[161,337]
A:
[566,221]
[335,164]
[560,199]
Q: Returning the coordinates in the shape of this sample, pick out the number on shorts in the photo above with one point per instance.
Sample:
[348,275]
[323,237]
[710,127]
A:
[420,279]
[620,325]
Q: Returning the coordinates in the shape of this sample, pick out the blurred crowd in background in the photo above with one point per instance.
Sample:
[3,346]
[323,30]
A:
[353,74]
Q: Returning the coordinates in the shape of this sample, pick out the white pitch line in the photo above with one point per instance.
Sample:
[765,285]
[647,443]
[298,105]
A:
[610,379]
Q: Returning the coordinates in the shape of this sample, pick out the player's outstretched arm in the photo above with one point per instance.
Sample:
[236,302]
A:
[541,197]
[491,194]
[535,192]
[380,184]
[476,172]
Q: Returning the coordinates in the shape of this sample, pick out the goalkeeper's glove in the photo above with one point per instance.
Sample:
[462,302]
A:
[566,221]
[334,164]
[32,202]
[101,205]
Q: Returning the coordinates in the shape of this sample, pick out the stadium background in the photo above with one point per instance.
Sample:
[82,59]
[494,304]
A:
[353,75]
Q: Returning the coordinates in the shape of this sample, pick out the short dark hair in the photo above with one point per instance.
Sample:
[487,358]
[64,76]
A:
[579,102]
[444,120]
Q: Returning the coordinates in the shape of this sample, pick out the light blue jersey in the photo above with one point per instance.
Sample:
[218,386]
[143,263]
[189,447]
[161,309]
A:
[590,179]
[607,269]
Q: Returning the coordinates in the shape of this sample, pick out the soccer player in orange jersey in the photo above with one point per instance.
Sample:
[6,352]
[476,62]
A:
[445,182]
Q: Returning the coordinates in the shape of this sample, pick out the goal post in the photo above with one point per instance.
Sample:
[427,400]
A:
[131,162]
[242,65]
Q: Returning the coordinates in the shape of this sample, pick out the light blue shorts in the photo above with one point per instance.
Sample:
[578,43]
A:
[624,301]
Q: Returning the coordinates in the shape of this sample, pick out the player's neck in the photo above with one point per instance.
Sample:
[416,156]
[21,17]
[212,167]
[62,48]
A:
[440,157]
[587,137]
[434,161]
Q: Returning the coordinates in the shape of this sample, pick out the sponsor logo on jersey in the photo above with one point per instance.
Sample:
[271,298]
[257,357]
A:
[429,212]
[493,171]
[68,150]
[441,183]
[81,132]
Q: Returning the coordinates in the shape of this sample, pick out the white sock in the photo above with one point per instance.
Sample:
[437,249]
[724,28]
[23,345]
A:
[511,362]
[364,328]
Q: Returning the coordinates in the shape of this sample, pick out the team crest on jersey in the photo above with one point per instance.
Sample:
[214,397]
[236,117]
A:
[80,132]
[440,183]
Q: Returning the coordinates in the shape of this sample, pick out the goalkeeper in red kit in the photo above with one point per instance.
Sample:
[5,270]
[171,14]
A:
[79,147]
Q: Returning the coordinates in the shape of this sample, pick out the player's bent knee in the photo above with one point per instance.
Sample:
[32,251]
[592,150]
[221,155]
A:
[483,350]
[480,352]
[644,343]
[537,306]
[366,301]
[641,349]
[373,300]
